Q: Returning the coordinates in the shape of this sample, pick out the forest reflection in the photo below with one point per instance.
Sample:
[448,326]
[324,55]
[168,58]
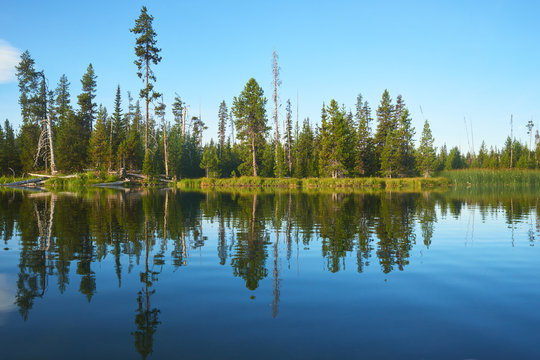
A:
[157,230]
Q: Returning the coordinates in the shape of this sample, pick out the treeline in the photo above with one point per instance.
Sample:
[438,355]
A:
[141,136]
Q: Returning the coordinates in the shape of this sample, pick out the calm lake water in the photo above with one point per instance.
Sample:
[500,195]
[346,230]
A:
[269,275]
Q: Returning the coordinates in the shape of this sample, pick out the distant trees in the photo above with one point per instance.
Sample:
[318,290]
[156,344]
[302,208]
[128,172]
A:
[343,143]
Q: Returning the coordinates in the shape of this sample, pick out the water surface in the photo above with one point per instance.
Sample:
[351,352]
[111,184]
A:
[169,274]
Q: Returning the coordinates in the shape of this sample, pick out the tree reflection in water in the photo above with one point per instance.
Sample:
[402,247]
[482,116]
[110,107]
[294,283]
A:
[255,235]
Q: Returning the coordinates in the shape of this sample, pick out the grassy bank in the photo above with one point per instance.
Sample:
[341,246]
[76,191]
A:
[11,179]
[505,177]
[79,181]
[313,183]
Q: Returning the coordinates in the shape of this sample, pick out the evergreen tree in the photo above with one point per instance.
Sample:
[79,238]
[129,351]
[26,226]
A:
[147,54]
[280,167]
[250,112]
[100,147]
[268,163]
[405,145]
[385,125]
[62,101]
[175,137]
[222,116]
[29,100]
[454,160]
[426,152]
[210,160]
[135,146]
[365,151]
[305,162]
[324,143]
[11,151]
[337,142]
[389,157]
[198,129]
[87,106]
[118,129]
[288,135]
[483,156]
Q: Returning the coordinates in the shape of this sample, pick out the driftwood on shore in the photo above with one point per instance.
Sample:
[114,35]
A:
[26,182]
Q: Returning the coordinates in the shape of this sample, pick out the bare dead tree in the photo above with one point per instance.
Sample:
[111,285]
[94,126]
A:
[276,82]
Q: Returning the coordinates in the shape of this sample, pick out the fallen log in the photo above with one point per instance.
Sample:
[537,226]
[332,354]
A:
[25,182]
[138,176]
[54,176]
[112,184]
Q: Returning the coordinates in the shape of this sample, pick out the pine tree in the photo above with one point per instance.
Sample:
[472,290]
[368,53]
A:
[305,166]
[100,147]
[87,111]
[389,157]
[405,145]
[160,113]
[280,167]
[29,100]
[175,138]
[210,160]
[288,135]
[11,151]
[483,156]
[426,152]
[147,54]
[336,141]
[118,129]
[386,124]
[324,144]
[250,112]
[222,127]
[364,144]
[63,107]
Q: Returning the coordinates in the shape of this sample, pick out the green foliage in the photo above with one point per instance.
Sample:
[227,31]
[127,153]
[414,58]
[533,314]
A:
[210,160]
[87,106]
[454,160]
[250,113]
[147,53]
[100,148]
[386,124]
[426,155]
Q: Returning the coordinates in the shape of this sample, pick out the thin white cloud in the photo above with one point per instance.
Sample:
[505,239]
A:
[9,58]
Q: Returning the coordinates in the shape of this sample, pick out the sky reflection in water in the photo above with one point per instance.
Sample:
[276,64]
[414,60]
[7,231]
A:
[164,274]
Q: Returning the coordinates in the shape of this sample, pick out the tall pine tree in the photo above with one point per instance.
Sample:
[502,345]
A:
[147,54]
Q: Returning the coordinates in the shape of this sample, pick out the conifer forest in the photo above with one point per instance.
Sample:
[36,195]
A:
[71,133]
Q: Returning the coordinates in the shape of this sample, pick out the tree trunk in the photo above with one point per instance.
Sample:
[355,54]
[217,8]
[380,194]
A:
[183,121]
[253,154]
[146,99]
[165,149]
[49,133]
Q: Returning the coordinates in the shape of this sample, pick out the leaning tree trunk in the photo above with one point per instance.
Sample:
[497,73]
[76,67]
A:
[49,133]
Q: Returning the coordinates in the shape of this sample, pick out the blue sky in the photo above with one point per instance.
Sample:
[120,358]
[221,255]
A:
[455,59]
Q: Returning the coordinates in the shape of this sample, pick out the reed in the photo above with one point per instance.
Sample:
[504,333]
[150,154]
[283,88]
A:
[505,177]
[313,183]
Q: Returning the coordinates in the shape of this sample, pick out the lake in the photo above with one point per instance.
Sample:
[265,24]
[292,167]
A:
[166,274]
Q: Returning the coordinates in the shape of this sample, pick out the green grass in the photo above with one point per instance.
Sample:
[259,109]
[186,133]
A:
[504,177]
[10,179]
[313,183]
[80,181]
